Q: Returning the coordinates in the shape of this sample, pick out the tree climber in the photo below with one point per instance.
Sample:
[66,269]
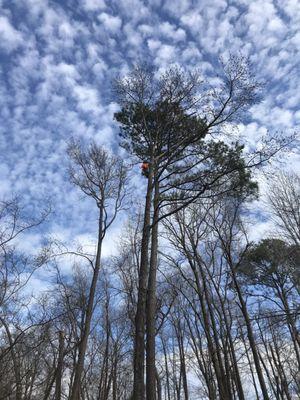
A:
[145,168]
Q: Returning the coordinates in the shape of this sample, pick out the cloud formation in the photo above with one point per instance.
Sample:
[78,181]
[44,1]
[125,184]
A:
[59,57]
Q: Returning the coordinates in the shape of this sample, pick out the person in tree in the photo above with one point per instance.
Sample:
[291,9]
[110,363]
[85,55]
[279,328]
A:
[145,168]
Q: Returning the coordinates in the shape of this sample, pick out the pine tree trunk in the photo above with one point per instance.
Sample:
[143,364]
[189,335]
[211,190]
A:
[151,303]
[139,343]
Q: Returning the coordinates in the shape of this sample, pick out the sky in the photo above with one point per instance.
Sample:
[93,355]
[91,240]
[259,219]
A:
[57,61]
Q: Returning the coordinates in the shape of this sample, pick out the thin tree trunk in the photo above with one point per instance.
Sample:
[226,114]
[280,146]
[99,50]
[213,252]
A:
[115,381]
[250,336]
[59,369]
[291,324]
[224,385]
[15,361]
[235,372]
[197,347]
[182,362]
[103,384]
[158,384]
[75,393]
[50,382]
[168,396]
[207,323]
[250,363]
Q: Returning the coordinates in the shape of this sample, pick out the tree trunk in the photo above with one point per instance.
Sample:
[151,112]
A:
[151,302]
[15,362]
[158,382]
[59,369]
[75,393]
[167,384]
[139,337]
[183,367]
[213,351]
[250,335]
[290,323]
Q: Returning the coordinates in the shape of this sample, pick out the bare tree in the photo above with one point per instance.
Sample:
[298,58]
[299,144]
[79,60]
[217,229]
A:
[102,177]
[284,198]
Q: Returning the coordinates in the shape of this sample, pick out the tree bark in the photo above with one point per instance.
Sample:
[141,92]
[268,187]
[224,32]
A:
[151,302]
[59,369]
[75,393]
[139,337]
[250,335]
[159,389]
[15,362]
[183,364]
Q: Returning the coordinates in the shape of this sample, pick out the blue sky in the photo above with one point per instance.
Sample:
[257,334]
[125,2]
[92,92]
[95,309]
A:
[59,57]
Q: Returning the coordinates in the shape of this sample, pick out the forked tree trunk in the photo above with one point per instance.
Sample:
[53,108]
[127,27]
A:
[182,362]
[139,337]
[151,303]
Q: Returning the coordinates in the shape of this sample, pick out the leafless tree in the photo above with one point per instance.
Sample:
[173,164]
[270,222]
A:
[284,198]
[102,177]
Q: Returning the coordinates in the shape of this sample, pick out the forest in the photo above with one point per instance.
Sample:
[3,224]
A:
[188,307]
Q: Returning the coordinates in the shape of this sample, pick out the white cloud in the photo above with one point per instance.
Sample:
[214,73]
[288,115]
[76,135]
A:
[59,84]
[166,54]
[99,68]
[10,38]
[133,37]
[295,39]
[191,54]
[264,23]
[87,97]
[193,20]
[68,70]
[135,10]
[66,30]
[153,44]
[176,7]
[110,22]
[291,8]
[171,32]
[94,5]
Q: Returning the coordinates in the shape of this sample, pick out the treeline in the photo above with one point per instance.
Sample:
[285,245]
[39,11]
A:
[188,308]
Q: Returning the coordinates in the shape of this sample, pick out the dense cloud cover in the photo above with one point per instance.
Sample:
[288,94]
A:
[59,57]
